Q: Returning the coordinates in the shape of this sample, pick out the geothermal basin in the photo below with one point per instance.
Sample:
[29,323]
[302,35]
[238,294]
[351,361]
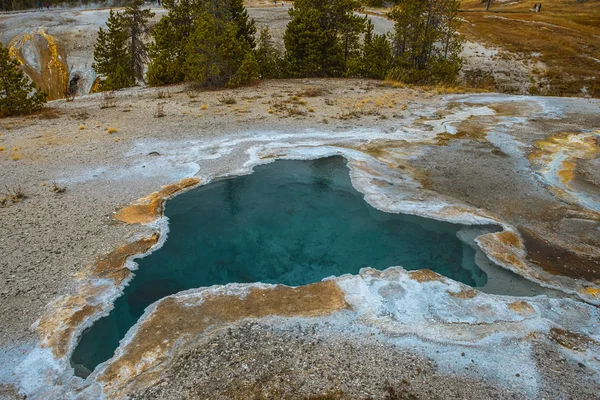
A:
[289,222]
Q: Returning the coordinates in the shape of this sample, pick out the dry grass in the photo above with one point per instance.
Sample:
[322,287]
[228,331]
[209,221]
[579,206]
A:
[365,107]
[58,189]
[228,100]
[111,130]
[394,84]
[160,110]
[294,105]
[80,115]
[46,113]
[312,91]
[163,94]
[108,100]
[565,35]
[13,195]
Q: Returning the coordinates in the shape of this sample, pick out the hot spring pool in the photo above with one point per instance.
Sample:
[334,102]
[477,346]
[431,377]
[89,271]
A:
[289,222]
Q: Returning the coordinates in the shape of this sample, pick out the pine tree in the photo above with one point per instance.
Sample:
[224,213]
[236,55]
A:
[170,59]
[135,21]
[245,24]
[247,74]
[322,37]
[17,95]
[111,57]
[311,50]
[426,44]
[267,56]
[214,52]
[376,57]
[168,52]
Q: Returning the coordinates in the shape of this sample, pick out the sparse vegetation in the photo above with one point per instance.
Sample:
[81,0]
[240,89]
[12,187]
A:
[160,110]
[14,195]
[311,92]
[361,109]
[288,108]
[192,94]
[58,189]
[108,100]
[81,115]
[228,100]
[163,94]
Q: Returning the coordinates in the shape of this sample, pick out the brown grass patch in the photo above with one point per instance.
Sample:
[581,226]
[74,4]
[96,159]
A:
[565,34]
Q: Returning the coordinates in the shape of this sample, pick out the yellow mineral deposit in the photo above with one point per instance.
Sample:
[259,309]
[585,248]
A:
[149,208]
[96,85]
[521,307]
[575,146]
[44,60]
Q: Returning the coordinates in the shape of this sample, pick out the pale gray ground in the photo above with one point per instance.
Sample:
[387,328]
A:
[262,361]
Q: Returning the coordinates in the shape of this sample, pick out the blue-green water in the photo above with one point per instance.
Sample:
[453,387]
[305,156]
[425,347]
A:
[290,222]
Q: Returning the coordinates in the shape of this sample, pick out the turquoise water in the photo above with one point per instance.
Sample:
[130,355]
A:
[290,222]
